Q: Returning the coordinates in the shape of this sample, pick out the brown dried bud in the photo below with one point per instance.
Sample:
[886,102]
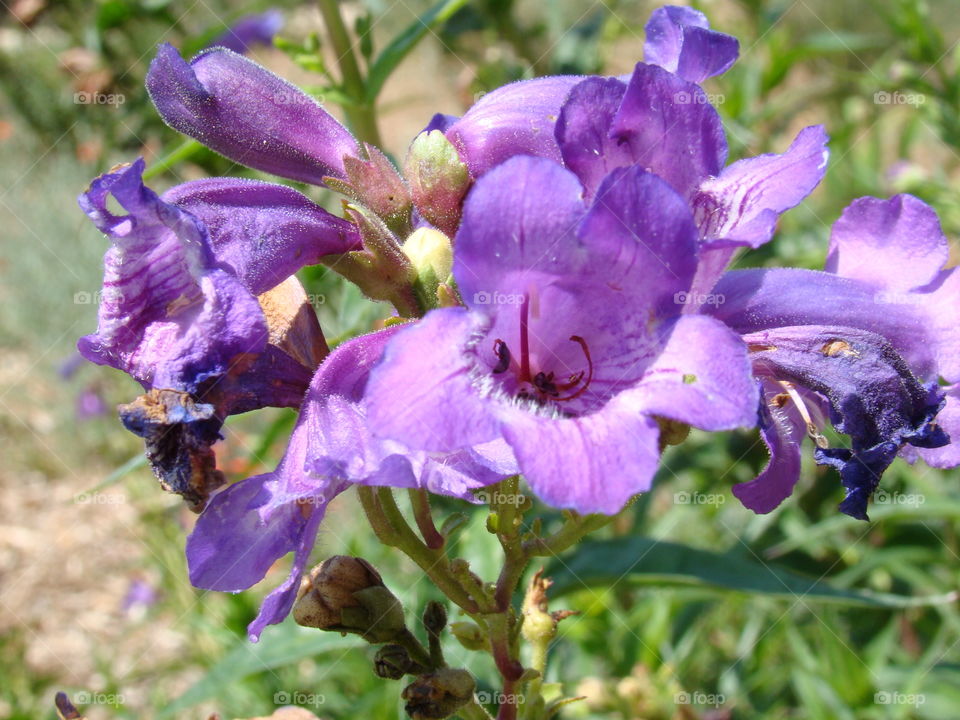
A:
[434,617]
[392,662]
[346,594]
[438,694]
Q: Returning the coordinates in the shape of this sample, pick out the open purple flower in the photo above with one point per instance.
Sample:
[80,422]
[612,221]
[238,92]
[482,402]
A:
[571,344]
[874,373]
[187,280]
[251,524]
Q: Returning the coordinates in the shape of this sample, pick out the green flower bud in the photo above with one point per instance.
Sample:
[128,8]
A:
[469,635]
[438,179]
[438,694]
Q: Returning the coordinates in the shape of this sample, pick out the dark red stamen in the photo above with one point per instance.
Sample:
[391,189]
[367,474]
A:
[579,376]
[524,339]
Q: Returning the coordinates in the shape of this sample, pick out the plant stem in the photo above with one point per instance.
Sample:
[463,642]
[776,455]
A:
[573,530]
[474,711]
[421,512]
[361,115]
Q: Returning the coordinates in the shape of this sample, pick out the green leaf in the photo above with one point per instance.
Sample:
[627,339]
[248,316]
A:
[646,561]
[392,55]
[279,646]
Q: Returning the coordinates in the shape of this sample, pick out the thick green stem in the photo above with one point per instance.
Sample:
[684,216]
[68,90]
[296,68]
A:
[474,711]
[361,115]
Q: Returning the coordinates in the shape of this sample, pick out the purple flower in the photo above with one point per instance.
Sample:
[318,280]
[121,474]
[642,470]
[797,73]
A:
[874,373]
[248,526]
[245,112]
[571,344]
[250,30]
[680,40]
[180,311]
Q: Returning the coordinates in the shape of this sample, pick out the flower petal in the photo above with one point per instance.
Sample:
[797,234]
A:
[701,377]
[245,112]
[583,131]
[742,205]
[895,245]
[664,118]
[169,316]
[263,232]
[947,456]
[782,431]
[593,463]
[425,393]
[679,40]
[762,299]
[513,234]
[250,30]
[516,119]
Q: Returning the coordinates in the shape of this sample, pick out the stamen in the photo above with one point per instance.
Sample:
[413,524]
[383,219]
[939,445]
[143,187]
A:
[586,383]
[503,356]
[812,431]
[525,339]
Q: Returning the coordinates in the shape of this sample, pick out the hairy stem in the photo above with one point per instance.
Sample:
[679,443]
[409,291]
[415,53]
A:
[421,513]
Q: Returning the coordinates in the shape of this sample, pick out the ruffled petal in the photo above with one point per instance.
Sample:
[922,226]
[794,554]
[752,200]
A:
[701,377]
[874,398]
[895,245]
[679,39]
[169,316]
[245,112]
[583,131]
[664,118]
[947,456]
[741,206]
[432,400]
[516,119]
[782,431]
[593,463]
[263,232]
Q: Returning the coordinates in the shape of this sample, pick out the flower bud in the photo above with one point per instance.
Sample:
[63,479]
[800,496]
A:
[469,635]
[392,662]
[438,694]
[434,617]
[346,594]
[438,180]
[431,254]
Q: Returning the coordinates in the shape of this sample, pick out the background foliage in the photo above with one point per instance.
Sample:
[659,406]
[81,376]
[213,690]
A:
[690,605]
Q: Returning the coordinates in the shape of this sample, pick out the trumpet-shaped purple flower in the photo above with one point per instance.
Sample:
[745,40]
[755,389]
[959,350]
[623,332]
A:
[245,112]
[876,370]
[572,342]
[679,39]
[251,524]
[180,312]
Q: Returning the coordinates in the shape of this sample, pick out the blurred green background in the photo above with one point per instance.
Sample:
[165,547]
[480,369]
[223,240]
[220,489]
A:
[94,597]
